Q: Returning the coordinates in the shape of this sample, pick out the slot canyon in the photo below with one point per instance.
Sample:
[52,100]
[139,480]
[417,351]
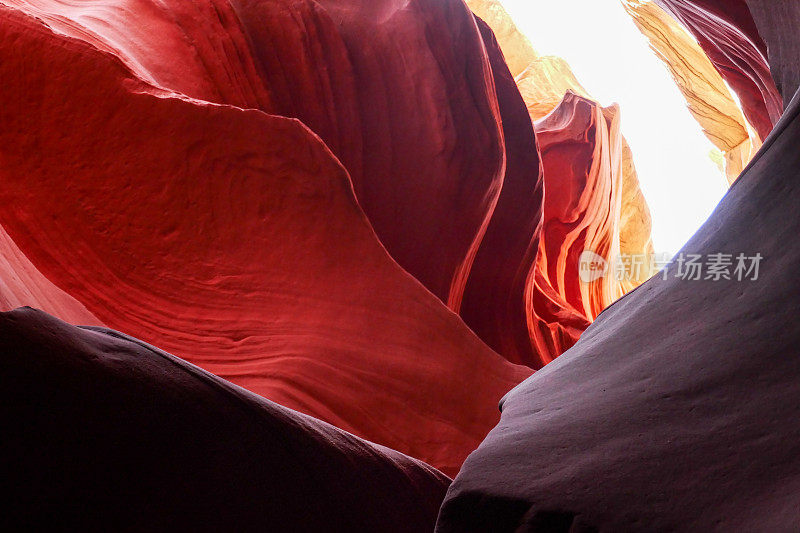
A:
[386,265]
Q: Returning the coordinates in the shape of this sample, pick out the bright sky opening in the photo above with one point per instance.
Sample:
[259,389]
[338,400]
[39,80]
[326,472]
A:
[614,62]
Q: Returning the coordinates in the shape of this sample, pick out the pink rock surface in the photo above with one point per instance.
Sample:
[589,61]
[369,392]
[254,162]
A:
[22,284]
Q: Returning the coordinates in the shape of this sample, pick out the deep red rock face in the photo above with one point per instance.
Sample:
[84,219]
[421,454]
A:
[401,93]
[496,302]
[106,433]
[726,31]
[230,238]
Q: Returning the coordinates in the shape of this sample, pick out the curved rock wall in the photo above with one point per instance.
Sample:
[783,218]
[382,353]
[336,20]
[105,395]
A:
[230,238]
[676,408]
[156,444]
[596,179]
[403,97]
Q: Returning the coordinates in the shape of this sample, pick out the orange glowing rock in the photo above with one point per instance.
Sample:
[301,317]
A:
[558,307]
[588,173]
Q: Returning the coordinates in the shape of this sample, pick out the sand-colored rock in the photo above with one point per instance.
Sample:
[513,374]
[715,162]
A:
[542,80]
[708,97]
[635,222]
[727,33]
[545,82]
[516,47]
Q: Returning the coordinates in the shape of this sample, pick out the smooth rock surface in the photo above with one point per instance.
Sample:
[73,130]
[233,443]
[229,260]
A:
[103,432]
[676,410]
[777,22]
[585,184]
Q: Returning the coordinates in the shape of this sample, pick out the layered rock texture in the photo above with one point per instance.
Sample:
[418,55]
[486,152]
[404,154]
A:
[592,197]
[751,51]
[423,146]
[364,222]
[230,238]
[459,207]
[727,33]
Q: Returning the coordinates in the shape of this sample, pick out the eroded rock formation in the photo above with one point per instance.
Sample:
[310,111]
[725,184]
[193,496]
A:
[497,299]
[725,30]
[582,159]
[674,409]
[597,191]
[21,284]
[230,238]
[300,196]
[393,154]
[542,80]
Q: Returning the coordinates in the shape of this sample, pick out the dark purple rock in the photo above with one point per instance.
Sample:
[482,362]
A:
[677,409]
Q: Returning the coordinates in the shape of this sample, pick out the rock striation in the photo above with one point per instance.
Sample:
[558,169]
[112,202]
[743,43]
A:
[231,238]
[601,192]
[727,33]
